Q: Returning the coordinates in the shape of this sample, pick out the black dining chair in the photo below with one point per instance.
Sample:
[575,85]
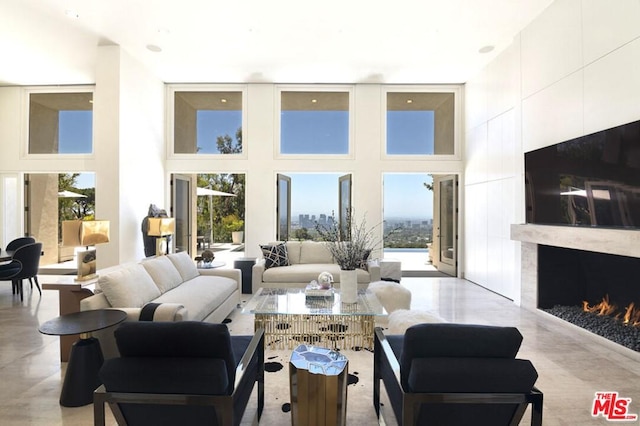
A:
[19,242]
[23,265]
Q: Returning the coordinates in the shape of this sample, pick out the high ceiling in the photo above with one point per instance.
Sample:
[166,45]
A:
[281,41]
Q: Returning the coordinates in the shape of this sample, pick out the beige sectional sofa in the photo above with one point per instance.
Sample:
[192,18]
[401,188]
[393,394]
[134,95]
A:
[305,261]
[178,290]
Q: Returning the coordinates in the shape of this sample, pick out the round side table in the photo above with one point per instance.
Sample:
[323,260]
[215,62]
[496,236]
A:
[85,360]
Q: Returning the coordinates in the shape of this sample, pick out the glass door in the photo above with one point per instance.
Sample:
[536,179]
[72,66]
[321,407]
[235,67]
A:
[181,212]
[283,207]
[445,224]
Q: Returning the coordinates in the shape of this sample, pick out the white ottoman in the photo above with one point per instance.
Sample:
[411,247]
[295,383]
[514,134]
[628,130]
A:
[392,296]
[402,319]
[391,269]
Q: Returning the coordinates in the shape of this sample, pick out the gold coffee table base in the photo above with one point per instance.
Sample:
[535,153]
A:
[286,331]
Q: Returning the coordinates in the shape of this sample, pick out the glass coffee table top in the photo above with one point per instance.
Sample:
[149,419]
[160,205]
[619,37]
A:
[294,301]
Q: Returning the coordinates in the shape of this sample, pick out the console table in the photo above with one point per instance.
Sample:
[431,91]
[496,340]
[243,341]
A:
[71,292]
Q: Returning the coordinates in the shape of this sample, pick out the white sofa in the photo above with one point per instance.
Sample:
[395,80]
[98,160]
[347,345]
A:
[182,291]
[306,260]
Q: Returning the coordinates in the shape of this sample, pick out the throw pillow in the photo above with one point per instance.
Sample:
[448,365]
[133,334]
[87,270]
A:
[129,287]
[275,255]
[163,272]
[364,263]
[184,264]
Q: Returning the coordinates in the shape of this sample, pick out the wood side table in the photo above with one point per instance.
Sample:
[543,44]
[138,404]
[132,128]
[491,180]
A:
[71,293]
[85,359]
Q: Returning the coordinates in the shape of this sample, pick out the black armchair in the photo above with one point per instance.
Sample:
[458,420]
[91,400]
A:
[455,374]
[191,373]
[24,264]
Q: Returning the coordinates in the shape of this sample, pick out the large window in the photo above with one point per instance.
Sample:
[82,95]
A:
[208,122]
[420,123]
[61,123]
[314,122]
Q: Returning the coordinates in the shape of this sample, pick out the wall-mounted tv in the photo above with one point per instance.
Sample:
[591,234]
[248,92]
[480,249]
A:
[593,180]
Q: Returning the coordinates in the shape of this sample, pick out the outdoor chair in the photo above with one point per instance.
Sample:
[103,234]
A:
[191,373]
[454,374]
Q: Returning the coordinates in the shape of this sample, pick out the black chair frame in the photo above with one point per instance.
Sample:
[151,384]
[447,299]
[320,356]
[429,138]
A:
[224,404]
[386,369]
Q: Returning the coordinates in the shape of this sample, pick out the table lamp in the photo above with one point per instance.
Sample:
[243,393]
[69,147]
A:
[85,233]
[161,228]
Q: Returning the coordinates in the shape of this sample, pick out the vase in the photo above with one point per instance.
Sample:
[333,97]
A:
[237,237]
[348,286]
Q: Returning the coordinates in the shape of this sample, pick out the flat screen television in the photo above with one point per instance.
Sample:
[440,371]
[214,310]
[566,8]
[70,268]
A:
[593,180]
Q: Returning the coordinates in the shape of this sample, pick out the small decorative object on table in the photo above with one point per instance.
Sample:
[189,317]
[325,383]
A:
[205,259]
[325,280]
[321,288]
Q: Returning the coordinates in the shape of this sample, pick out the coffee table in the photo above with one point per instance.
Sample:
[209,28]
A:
[290,318]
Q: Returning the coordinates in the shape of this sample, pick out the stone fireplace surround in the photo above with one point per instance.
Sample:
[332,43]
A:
[622,242]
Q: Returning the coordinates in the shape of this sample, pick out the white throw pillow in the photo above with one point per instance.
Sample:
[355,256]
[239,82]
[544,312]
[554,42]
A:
[163,272]
[315,252]
[185,266]
[129,287]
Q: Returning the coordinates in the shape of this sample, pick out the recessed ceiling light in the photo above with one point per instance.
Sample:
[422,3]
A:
[313,101]
[223,100]
[154,48]
[71,14]
[486,49]
[409,101]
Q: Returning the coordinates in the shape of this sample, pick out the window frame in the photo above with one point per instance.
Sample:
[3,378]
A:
[457,125]
[26,120]
[279,88]
[213,88]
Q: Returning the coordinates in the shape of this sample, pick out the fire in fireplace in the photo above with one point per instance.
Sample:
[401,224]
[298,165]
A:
[598,292]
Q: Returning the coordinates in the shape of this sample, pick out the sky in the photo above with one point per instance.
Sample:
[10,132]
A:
[304,132]
[404,194]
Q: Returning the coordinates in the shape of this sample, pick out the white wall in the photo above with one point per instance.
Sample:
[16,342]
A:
[261,164]
[128,158]
[573,71]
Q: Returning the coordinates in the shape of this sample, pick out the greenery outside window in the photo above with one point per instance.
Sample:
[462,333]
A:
[207,122]
[60,123]
[314,122]
[420,123]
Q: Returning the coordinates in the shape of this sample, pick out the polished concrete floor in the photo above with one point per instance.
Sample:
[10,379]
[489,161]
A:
[572,364]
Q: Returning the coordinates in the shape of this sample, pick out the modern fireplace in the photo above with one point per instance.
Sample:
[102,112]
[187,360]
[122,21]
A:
[596,291]
[564,265]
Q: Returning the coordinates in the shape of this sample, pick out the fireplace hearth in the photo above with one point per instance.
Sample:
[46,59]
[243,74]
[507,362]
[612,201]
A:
[607,326]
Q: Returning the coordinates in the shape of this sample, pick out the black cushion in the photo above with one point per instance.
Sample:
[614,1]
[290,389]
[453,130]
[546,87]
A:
[10,269]
[457,341]
[185,339]
[275,255]
[471,375]
[207,376]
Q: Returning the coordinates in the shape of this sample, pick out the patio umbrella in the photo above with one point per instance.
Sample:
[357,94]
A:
[70,194]
[212,193]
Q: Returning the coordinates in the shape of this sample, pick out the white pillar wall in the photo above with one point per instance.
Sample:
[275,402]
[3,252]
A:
[571,72]
[129,142]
